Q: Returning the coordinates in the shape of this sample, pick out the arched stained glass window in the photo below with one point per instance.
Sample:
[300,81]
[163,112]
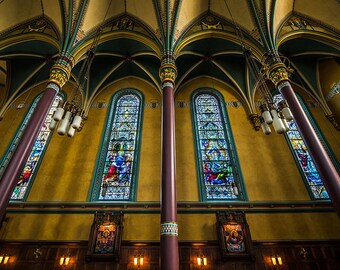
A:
[116,173]
[305,163]
[31,167]
[218,170]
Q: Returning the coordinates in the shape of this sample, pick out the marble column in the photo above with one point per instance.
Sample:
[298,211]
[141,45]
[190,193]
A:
[59,74]
[277,72]
[169,227]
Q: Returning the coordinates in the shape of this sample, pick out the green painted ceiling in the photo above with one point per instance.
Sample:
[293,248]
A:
[134,49]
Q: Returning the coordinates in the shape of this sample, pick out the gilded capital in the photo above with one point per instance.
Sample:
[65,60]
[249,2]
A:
[59,75]
[168,72]
[278,73]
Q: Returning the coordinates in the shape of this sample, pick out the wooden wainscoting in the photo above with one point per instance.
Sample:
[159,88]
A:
[297,255]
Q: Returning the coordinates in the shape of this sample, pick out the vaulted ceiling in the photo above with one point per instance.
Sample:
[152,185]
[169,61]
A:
[134,33]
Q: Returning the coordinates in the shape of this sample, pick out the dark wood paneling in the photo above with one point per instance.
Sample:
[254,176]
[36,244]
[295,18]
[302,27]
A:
[320,255]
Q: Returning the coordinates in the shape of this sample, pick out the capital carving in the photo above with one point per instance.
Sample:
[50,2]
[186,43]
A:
[254,119]
[59,75]
[278,73]
[168,72]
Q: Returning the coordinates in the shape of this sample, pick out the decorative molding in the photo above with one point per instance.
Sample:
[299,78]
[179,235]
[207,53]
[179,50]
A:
[277,73]
[61,70]
[53,86]
[255,121]
[168,72]
[169,229]
[283,85]
[167,84]
[183,207]
[335,89]
[59,75]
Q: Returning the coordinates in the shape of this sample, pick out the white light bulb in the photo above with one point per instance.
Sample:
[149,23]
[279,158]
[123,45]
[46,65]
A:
[76,121]
[64,123]
[58,114]
[277,123]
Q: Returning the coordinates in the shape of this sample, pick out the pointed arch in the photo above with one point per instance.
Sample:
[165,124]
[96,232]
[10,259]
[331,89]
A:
[115,177]
[31,167]
[219,173]
[307,168]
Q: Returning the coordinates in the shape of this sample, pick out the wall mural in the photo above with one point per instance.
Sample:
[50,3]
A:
[234,235]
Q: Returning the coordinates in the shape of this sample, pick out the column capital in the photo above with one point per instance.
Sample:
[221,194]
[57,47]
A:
[275,68]
[277,73]
[168,72]
[61,70]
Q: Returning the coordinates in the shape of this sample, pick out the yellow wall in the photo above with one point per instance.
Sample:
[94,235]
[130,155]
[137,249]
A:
[263,159]
[267,165]
[329,132]
[192,227]
[329,73]
[67,169]
[13,117]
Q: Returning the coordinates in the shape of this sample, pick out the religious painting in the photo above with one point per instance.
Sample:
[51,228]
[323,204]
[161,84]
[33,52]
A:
[234,236]
[105,237]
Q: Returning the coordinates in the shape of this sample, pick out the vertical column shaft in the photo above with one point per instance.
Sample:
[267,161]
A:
[169,227]
[13,170]
[320,157]
[58,76]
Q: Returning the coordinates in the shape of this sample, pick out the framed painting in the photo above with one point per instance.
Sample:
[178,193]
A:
[234,235]
[105,236]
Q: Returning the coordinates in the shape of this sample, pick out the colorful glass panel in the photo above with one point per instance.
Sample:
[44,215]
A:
[304,159]
[217,169]
[116,178]
[31,165]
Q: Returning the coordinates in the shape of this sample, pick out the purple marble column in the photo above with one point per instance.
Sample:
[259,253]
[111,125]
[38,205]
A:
[14,168]
[169,228]
[58,76]
[320,157]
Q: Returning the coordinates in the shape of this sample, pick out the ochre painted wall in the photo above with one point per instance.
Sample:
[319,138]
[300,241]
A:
[331,135]
[290,226]
[263,159]
[192,227]
[329,73]
[67,169]
[14,116]
[268,168]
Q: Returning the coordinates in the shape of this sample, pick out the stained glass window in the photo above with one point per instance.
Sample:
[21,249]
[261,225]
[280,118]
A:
[115,176]
[304,160]
[220,178]
[26,177]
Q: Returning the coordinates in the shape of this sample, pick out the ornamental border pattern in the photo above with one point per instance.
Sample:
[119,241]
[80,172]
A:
[169,229]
